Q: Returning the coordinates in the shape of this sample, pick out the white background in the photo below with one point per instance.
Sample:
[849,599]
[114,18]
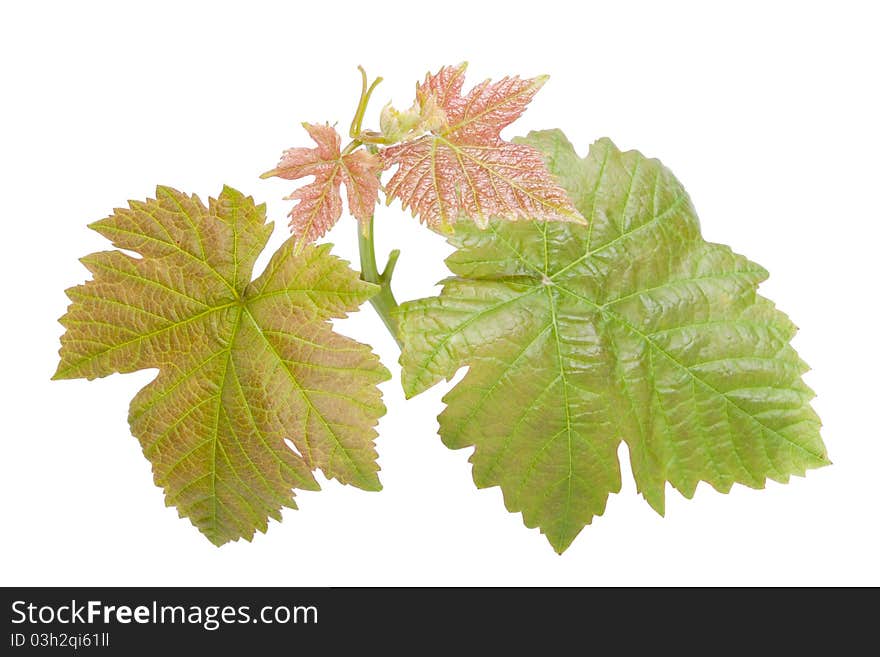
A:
[768,112]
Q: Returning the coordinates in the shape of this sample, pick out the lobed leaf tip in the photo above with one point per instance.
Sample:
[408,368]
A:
[540,81]
[232,191]
[216,541]
[167,190]
[60,373]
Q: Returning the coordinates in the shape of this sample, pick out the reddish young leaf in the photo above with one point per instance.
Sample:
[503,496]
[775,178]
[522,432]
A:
[319,203]
[464,168]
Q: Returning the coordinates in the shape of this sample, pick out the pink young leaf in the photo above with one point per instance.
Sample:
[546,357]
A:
[464,168]
[319,202]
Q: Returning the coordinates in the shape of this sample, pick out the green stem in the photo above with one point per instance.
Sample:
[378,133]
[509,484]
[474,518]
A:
[384,302]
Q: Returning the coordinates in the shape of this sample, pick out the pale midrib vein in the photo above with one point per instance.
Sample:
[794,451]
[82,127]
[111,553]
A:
[144,279]
[771,328]
[490,108]
[176,248]
[508,367]
[357,402]
[146,336]
[516,253]
[508,211]
[235,215]
[190,221]
[272,270]
[415,201]
[172,387]
[650,223]
[718,276]
[357,296]
[97,322]
[470,184]
[353,189]
[318,366]
[259,514]
[458,329]
[80,293]
[512,183]
[627,198]
[592,218]
[702,447]
[565,406]
[527,281]
[542,227]
[304,394]
[394,184]
[568,419]
[154,446]
[649,341]
[173,498]
[243,529]
[326,190]
[188,453]
[259,434]
[748,357]
[618,366]
[756,479]
[322,347]
[434,182]
[267,496]
[535,460]
[508,439]
[216,431]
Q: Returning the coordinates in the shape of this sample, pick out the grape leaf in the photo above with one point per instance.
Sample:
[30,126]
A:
[243,365]
[632,328]
[319,203]
[464,168]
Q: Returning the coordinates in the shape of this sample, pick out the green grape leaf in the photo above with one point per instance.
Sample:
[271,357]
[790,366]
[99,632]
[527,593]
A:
[631,328]
[244,366]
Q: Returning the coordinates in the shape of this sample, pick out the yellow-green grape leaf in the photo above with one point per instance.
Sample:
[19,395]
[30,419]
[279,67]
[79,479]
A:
[631,328]
[244,365]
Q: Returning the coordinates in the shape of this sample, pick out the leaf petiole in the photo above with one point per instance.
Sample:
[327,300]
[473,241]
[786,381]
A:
[384,302]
